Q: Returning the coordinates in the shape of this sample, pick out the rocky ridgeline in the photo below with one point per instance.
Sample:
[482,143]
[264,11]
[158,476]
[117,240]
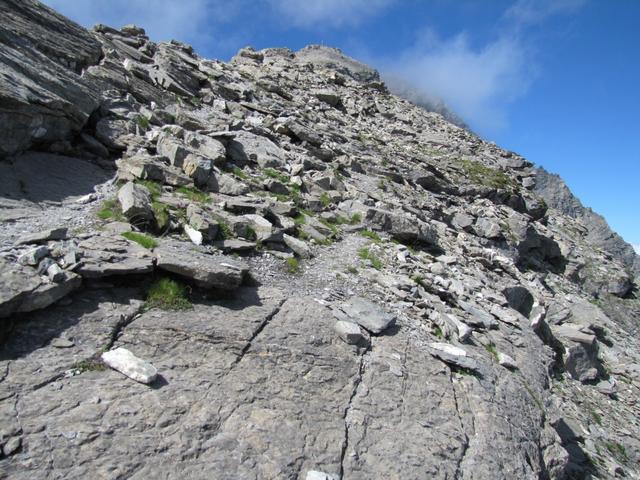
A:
[274,268]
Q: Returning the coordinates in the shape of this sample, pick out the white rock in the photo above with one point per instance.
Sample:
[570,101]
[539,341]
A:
[506,361]
[194,235]
[128,364]
[316,475]
[448,348]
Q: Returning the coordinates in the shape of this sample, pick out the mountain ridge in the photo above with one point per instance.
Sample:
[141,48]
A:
[272,268]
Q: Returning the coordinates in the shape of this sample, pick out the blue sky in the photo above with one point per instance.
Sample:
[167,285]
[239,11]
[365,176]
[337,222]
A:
[557,81]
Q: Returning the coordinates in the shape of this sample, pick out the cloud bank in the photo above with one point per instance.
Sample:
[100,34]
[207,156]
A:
[637,248]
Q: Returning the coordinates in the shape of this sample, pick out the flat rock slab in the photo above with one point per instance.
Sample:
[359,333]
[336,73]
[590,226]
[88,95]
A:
[207,271]
[128,364]
[105,255]
[43,236]
[453,355]
[368,315]
[23,290]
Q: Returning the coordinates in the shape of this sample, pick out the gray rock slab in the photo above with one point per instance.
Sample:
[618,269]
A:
[368,315]
[43,236]
[208,271]
[106,255]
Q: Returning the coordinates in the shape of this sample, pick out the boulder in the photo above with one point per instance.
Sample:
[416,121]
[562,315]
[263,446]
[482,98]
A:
[135,201]
[59,233]
[247,147]
[298,247]
[401,227]
[125,362]
[105,255]
[453,355]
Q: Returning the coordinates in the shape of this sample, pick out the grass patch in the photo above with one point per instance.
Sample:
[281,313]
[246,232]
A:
[373,236]
[491,348]
[161,214]
[352,269]
[155,188]
[366,254]
[355,219]
[437,331]
[617,450]
[89,365]
[194,194]
[143,122]
[238,172]
[292,264]
[110,210]
[329,225]
[141,239]
[487,176]
[596,416]
[325,200]
[168,294]
[300,219]
[272,173]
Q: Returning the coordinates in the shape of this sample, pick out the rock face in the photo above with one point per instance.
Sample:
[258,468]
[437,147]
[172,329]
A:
[406,305]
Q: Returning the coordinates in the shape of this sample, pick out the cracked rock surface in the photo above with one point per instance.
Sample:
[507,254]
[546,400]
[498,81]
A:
[319,279]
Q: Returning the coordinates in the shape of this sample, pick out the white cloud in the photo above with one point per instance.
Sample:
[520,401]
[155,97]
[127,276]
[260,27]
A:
[637,248]
[333,13]
[528,12]
[477,83]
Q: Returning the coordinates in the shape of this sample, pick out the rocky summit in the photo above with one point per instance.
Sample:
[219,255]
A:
[274,268]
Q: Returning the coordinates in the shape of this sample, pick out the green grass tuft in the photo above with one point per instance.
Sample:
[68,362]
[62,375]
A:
[141,239]
[365,254]
[491,348]
[168,294]
[155,188]
[238,172]
[110,210]
[271,173]
[325,200]
[194,194]
[143,122]
[90,365]
[355,219]
[487,176]
[371,235]
[293,265]
[617,450]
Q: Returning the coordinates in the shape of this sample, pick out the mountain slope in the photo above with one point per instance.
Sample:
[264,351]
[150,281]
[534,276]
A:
[316,278]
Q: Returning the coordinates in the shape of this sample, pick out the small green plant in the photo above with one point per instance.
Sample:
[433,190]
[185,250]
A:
[487,176]
[250,233]
[325,200]
[110,210]
[355,219]
[224,230]
[89,365]
[194,194]
[329,225]
[155,188]
[366,254]
[168,294]
[352,269]
[300,219]
[373,236]
[141,239]
[271,173]
[161,214]
[382,184]
[238,172]
[596,416]
[617,449]
[292,264]
[437,331]
[143,122]
[491,348]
